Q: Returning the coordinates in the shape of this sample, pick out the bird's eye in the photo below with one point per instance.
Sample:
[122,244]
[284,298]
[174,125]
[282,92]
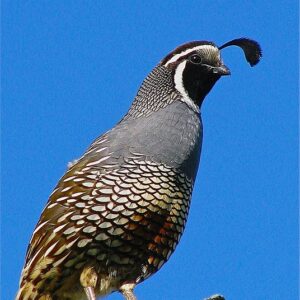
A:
[195,59]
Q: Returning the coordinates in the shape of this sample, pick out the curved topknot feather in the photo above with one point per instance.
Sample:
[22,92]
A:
[251,48]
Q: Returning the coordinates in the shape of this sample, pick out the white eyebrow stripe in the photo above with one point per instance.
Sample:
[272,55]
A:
[180,87]
[201,47]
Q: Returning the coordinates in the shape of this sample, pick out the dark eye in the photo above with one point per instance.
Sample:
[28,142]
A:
[195,59]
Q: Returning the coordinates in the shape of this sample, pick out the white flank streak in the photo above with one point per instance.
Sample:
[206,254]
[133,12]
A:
[33,259]
[69,178]
[58,262]
[39,227]
[53,191]
[63,217]
[57,229]
[78,179]
[100,150]
[180,88]
[101,141]
[77,194]
[50,249]
[72,243]
[98,161]
[89,151]
[176,56]
[51,205]
[62,198]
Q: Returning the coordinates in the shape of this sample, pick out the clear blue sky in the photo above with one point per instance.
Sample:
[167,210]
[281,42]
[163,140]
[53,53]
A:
[70,71]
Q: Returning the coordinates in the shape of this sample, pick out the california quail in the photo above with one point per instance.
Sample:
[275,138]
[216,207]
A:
[117,214]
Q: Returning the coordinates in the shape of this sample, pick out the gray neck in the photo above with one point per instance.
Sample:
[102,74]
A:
[159,126]
[156,92]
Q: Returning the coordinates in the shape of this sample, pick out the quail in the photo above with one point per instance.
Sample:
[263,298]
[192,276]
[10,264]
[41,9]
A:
[118,212]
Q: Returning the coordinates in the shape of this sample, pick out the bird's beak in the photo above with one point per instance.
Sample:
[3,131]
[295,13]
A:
[222,70]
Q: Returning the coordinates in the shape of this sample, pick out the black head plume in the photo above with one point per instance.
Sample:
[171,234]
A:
[251,49]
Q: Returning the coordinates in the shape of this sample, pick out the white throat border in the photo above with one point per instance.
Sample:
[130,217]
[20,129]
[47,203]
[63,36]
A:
[180,87]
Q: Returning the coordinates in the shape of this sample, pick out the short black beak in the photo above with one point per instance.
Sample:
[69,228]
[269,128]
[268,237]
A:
[222,70]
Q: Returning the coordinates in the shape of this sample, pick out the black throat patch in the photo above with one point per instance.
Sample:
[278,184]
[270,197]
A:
[198,82]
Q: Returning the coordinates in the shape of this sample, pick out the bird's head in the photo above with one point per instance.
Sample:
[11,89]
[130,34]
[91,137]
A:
[197,66]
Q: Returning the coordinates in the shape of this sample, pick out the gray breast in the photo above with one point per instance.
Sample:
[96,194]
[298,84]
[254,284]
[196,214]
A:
[172,136]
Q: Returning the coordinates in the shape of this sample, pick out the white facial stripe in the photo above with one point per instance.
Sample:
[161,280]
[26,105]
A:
[180,87]
[203,47]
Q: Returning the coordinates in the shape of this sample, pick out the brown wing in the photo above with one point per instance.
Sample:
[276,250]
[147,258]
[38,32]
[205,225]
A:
[130,217]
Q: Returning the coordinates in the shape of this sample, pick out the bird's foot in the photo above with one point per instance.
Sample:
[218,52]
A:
[88,279]
[127,291]
[90,293]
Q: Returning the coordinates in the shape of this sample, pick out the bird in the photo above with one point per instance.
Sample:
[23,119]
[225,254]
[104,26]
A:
[117,214]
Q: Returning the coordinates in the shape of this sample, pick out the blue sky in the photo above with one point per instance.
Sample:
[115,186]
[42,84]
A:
[70,71]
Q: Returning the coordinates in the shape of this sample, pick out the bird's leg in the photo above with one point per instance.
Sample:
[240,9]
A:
[127,291]
[88,279]
[90,293]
